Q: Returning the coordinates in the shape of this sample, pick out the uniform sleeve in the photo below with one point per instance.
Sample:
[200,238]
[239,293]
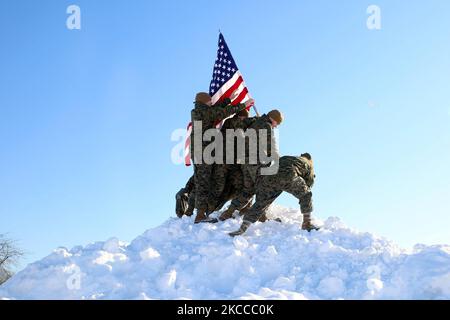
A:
[247,122]
[223,110]
[223,103]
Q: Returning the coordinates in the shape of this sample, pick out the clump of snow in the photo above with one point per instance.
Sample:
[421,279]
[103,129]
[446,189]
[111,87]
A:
[330,287]
[149,253]
[180,260]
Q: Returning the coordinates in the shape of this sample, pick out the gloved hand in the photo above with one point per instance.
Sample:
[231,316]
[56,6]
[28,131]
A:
[249,103]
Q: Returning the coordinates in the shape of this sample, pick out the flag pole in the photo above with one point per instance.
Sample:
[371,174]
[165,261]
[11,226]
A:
[254,108]
[256,111]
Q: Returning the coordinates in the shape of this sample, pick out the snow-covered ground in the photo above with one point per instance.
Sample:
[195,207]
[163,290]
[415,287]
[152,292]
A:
[180,260]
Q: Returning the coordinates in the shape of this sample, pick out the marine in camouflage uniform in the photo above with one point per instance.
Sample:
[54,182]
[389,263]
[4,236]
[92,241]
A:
[207,116]
[220,171]
[251,171]
[185,198]
[296,176]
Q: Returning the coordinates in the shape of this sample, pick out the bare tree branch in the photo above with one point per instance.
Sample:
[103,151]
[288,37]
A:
[10,255]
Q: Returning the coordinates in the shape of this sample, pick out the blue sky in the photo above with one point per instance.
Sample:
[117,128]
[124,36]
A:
[86,115]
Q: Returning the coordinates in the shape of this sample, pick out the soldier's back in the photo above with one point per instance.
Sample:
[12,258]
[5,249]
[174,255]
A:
[297,166]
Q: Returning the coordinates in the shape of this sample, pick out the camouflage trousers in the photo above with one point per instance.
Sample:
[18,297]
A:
[230,186]
[250,175]
[268,188]
[202,180]
[219,180]
[225,184]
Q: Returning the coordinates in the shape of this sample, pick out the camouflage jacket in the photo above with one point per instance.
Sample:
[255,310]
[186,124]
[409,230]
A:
[258,124]
[209,117]
[291,167]
[234,123]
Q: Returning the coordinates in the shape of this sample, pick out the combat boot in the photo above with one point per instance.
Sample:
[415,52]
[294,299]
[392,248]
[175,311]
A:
[307,224]
[227,214]
[245,209]
[263,218]
[201,215]
[244,226]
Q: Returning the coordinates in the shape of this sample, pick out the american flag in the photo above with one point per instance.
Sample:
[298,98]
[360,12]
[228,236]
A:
[226,82]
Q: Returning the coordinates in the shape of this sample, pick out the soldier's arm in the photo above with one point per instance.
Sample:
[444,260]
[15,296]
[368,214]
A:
[224,110]
[247,122]
[225,102]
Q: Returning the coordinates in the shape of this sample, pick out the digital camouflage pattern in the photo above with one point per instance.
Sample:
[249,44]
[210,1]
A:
[260,123]
[295,175]
[202,181]
[208,116]
[251,171]
[233,186]
[185,198]
[220,171]
[249,174]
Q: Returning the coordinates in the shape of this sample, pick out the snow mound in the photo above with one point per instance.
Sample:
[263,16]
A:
[180,260]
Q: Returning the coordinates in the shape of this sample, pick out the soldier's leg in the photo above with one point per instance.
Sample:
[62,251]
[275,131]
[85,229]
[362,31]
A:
[245,196]
[235,182]
[233,187]
[228,193]
[248,190]
[302,192]
[219,178]
[264,198]
[202,180]
[191,204]
[245,209]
